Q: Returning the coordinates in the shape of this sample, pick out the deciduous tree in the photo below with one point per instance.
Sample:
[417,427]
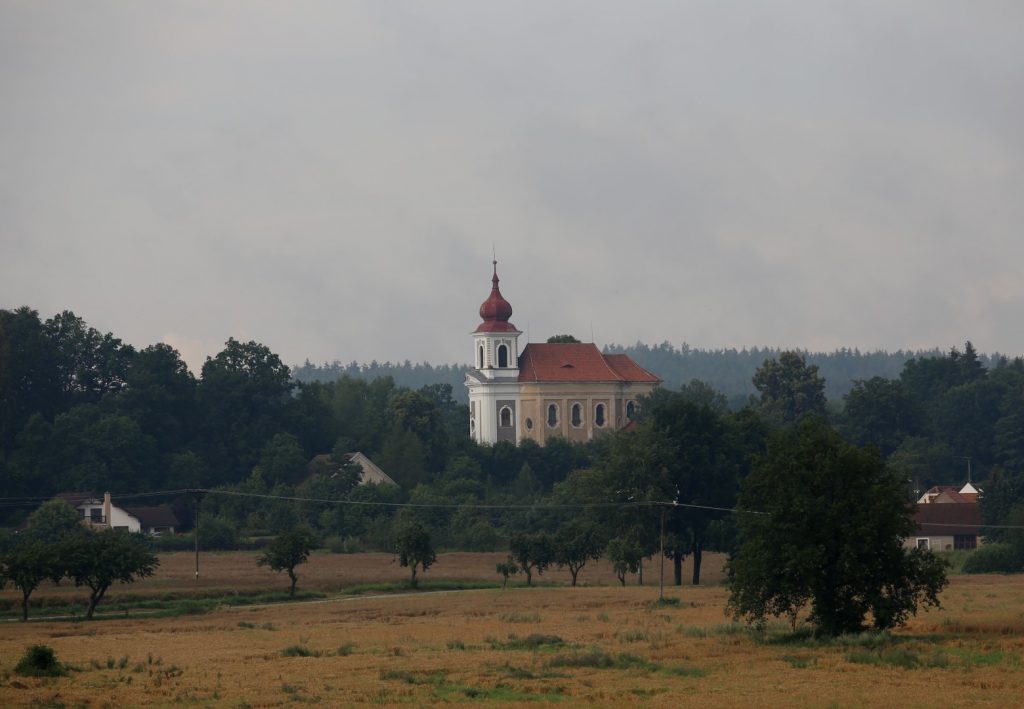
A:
[99,559]
[823,525]
[287,551]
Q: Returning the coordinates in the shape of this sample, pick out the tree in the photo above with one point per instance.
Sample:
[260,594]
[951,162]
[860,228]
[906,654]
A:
[99,559]
[244,394]
[507,568]
[624,556]
[880,412]
[562,340]
[28,564]
[533,552]
[413,547]
[576,543]
[790,389]
[287,551]
[52,521]
[823,523]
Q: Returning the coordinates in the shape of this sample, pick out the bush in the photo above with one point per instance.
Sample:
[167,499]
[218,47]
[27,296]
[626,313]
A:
[994,559]
[39,661]
[216,534]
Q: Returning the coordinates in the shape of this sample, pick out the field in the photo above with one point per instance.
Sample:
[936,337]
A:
[598,644]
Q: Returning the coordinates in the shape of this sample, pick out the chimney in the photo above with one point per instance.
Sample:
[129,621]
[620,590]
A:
[106,508]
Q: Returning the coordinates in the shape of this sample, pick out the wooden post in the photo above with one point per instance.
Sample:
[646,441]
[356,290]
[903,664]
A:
[661,578]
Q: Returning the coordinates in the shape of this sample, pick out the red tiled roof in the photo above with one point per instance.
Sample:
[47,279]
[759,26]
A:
[577,362]
[945,520]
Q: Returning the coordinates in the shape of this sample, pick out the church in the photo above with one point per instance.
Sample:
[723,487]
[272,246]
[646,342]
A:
[568,390]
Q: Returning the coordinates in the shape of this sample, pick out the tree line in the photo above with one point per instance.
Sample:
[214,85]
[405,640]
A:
[80,410]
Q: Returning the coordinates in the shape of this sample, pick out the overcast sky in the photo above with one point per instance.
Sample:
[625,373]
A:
[329,178]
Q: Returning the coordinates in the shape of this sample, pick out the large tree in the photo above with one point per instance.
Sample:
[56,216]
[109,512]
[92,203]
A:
[413,547]
[287,551]
[789,388]
[245,393]
[100,559]
[822,524]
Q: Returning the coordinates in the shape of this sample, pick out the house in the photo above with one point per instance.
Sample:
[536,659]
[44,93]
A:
[103,513]
[370,474]
[567,390]
[947,519]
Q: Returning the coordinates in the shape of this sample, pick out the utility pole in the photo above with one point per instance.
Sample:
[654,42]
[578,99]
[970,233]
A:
[661,577]
[195,533]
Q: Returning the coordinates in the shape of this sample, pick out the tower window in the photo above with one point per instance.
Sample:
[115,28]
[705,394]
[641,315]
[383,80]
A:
[481,363]
[577,415]
[502,356]
[505,417]
[552,415]
[599,416]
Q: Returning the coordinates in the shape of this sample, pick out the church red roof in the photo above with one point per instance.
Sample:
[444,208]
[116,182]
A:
[577,362]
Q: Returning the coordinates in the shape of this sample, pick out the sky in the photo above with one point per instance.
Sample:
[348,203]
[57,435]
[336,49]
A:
[331,178]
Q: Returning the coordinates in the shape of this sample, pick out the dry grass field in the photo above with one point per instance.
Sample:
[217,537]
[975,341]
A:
[596,644]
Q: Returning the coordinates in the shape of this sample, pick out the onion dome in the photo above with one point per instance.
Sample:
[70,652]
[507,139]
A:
[495,311]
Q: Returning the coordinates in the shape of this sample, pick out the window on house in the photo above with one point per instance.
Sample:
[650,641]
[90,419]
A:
[599,416]
[922,543]
[965,541]
[505,417]
[528,423]
[552,415]
[577,415]
[96,514]
[502,356]
[630,410]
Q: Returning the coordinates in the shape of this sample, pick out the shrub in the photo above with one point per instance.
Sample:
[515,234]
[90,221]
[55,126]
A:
[994,559]
[40,661]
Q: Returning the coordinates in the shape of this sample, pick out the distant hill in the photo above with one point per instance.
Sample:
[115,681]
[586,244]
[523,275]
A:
[728,370]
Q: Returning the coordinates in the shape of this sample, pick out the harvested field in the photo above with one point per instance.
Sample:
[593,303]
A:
[596,644]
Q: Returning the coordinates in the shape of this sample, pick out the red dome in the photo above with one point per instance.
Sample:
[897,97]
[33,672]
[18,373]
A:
[495,311]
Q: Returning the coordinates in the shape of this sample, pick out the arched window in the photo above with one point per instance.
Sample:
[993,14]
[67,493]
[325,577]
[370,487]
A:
[630,410]
[529,423]
[502,356]
[599,416]
[552,415]
[505,417]
[577,415]
[481,365]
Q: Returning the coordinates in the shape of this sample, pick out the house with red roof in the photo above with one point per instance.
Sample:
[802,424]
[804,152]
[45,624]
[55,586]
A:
[947,519]
[568,390]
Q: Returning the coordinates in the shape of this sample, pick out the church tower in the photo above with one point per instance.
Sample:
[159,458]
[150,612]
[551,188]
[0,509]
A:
[494,380]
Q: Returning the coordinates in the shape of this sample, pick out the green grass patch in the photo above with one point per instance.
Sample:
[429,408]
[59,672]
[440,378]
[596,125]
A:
[515,617]
[300,651]
[346,649]
[665,602]
[157,606]
[421,587]
[500,693]
[534,641]
[632,636]
[800,662]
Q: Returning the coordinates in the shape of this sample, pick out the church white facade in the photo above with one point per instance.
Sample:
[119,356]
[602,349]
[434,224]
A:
[546,390]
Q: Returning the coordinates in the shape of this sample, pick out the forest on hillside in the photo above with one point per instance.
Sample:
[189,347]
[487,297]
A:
[729,371]
[81,410]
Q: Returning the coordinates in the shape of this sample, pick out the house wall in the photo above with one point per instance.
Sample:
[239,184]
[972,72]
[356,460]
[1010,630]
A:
[119,519]
[535,397]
